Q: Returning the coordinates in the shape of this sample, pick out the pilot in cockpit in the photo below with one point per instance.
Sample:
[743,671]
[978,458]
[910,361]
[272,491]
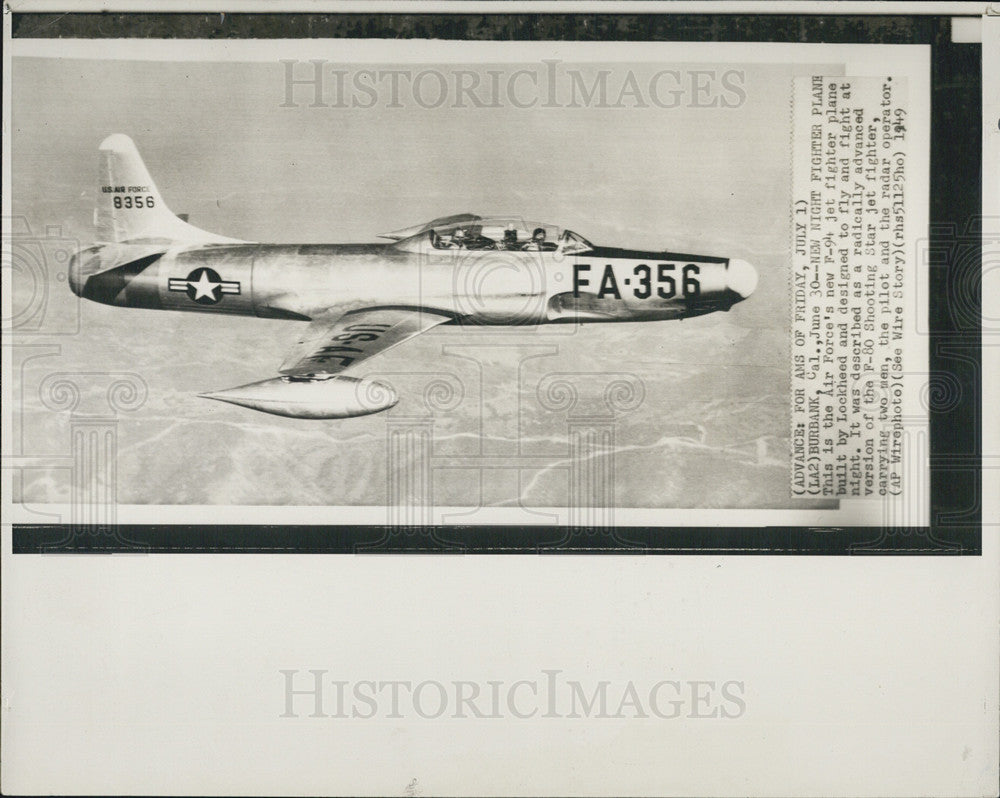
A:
[538,242]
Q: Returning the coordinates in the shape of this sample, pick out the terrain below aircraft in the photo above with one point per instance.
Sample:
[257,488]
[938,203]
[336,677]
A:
[362,299]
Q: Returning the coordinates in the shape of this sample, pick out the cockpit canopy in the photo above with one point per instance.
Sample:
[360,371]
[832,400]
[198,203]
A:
[503,233]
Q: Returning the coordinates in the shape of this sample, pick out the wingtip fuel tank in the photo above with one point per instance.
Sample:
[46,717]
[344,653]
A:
[336,397]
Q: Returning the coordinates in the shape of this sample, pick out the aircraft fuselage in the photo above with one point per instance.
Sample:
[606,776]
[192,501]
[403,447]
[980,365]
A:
[476,286]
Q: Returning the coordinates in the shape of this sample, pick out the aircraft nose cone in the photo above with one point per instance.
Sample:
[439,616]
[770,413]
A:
[741,277]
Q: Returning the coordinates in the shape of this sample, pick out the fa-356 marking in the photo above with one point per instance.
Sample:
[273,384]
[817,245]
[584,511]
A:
[642,277]
[362,299]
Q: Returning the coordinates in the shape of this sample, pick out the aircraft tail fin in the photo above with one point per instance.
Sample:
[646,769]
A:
[129,206]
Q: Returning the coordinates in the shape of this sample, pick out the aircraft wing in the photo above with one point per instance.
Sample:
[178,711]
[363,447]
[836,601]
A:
[407,232]
[332,344]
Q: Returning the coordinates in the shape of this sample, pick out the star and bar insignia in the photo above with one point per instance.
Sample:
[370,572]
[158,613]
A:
[204,286]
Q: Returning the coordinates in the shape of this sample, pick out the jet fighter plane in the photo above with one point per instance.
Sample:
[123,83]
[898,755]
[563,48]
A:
[358,300]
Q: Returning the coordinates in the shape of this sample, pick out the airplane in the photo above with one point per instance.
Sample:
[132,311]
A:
[362,299]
